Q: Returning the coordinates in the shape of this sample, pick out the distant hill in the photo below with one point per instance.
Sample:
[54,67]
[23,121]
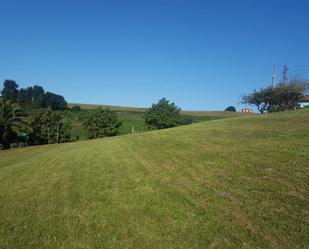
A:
[112,107]
[140,109]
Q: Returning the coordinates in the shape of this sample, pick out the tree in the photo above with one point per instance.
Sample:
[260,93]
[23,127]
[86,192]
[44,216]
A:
[22,97]
[55,101]
[230,109]
[12,123]
[102,123]
[49,127]
[10,90]
[288,96]
[258,99]
[38,97]
[162,115]
[32,97]
[282,97]
[29,97]
[25,98]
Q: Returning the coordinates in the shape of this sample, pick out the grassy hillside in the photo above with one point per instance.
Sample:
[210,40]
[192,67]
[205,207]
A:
[112,107]
[132,116]
[142,110]
[230,183]
[127,118]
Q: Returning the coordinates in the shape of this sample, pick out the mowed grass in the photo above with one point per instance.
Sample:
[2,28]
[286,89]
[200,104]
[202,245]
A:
[230,183]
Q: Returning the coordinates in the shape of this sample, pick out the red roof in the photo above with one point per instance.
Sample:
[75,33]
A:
[305,98]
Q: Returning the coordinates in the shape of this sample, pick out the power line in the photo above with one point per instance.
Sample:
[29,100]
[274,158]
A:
[283,69]
[292,65]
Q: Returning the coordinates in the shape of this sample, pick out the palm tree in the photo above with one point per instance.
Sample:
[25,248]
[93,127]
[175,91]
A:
[12,122]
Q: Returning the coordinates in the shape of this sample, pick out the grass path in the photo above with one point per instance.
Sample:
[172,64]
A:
[230,183]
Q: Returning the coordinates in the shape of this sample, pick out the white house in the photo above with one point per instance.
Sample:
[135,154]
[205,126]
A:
[304,101]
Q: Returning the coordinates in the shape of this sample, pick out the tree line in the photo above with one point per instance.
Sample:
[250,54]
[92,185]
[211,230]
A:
[28,116]
[31,116]
[33,97]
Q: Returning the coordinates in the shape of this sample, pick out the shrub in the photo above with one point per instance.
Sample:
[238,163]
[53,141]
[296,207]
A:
[230,109]
[49,127]
[162,115]
[102,123]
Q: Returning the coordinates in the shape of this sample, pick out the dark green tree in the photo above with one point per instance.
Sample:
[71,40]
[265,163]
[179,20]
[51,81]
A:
[259,99]
[25,98]
[230,109]
[282,97]
[10,90]
[162,115]
[32,97]
[29,96]
[12,122]
[22,98]
[55,101]
[38,97]
[102,123]
[49,127]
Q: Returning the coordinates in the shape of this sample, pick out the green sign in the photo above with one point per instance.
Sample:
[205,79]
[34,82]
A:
[23,134]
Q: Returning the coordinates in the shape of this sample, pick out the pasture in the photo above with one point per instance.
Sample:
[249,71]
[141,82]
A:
[240,182]
[132,116]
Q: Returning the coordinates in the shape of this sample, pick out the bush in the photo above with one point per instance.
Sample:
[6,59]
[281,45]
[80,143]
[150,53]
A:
[49,127]
[102,123]
[162,115]
[55,101]
[230,109]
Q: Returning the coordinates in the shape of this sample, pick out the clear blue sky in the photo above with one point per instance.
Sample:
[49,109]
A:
[202,55]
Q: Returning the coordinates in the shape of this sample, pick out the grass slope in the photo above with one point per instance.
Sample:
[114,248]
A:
[133,116]
[220,114]
[127,119]
[112,107]
[230,183]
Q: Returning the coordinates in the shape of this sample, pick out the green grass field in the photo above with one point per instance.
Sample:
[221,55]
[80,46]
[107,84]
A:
[239,182]
[220,114]
[112,107]
[134,117]
[127,118]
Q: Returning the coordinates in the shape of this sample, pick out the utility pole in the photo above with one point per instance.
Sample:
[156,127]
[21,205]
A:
[284,76]
[274,76]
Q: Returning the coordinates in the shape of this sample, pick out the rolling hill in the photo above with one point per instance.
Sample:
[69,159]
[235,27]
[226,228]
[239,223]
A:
[134,117]
[240,182]
[220,114]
